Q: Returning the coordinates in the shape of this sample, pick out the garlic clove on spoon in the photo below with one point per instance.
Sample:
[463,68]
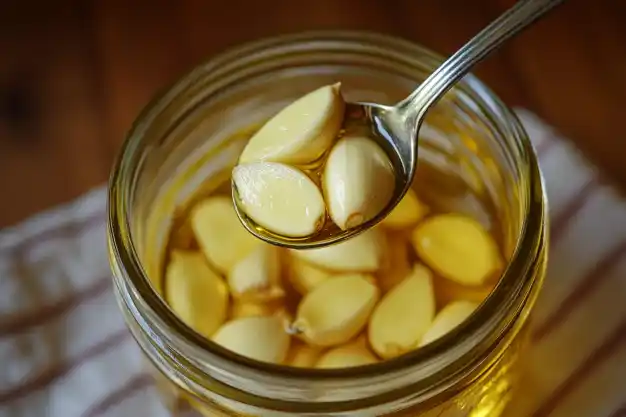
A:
[358,181]
[279,198]
[301,132]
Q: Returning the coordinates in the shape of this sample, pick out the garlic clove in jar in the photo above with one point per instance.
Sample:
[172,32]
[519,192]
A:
[358,180]
[458,248]
[403,315]
[279,198]
[260,338]
[196,294]
[220,235]
[257,276]
[301,132]
[346,356]
[305,276]
[409,211]
[336,311]
[447,319]
[363,253]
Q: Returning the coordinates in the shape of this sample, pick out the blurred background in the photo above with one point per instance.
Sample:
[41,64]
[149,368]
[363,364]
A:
[74,74]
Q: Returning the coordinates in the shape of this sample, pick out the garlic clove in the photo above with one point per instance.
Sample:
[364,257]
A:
[409,211]
[279,198]
[458,248]
[403,315]
[196,294]
[358,180]
[301,132]
[447,319]
[363,253]
[260,338]
[220,234]
[257,276]
[302,355]
[346,357]
[336,311]
[305,276]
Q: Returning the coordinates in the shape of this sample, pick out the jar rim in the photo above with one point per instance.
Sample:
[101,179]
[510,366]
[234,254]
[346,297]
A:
[124,251]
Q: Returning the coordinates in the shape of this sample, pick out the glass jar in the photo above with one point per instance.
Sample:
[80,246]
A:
[183,142]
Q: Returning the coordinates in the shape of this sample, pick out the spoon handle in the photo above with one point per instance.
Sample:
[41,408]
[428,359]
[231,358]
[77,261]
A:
[454,68]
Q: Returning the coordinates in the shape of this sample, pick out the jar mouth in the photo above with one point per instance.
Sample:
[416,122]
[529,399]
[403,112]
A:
[150,311]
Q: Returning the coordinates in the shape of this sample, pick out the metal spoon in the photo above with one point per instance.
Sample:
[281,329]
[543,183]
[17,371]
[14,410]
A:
[396,127]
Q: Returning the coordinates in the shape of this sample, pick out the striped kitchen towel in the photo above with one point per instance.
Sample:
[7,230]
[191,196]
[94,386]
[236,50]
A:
[65,352]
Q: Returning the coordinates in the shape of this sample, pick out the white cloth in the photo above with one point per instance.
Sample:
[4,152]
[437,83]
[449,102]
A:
[65,352]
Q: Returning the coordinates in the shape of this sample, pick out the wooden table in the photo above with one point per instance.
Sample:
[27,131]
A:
[73,74]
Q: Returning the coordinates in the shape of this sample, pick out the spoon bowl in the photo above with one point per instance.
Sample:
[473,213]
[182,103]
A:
[367,114]
[395,128]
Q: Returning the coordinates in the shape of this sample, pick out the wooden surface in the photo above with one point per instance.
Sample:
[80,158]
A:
[74,74]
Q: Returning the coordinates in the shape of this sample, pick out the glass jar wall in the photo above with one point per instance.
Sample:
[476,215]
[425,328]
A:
[183,145]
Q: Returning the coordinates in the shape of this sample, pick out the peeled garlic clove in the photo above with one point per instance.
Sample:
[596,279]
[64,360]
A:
[305,276]
[396,265]
[240,309]
[359,181]
[447,291]
[260,338]
[220,234]
[196,294]
[447,319]
[458,248]
[404,314]
[345,357]
[257,276]
[301,132]
[409,211]
[302,355]
[336,310]
[280,198]
[363,253]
